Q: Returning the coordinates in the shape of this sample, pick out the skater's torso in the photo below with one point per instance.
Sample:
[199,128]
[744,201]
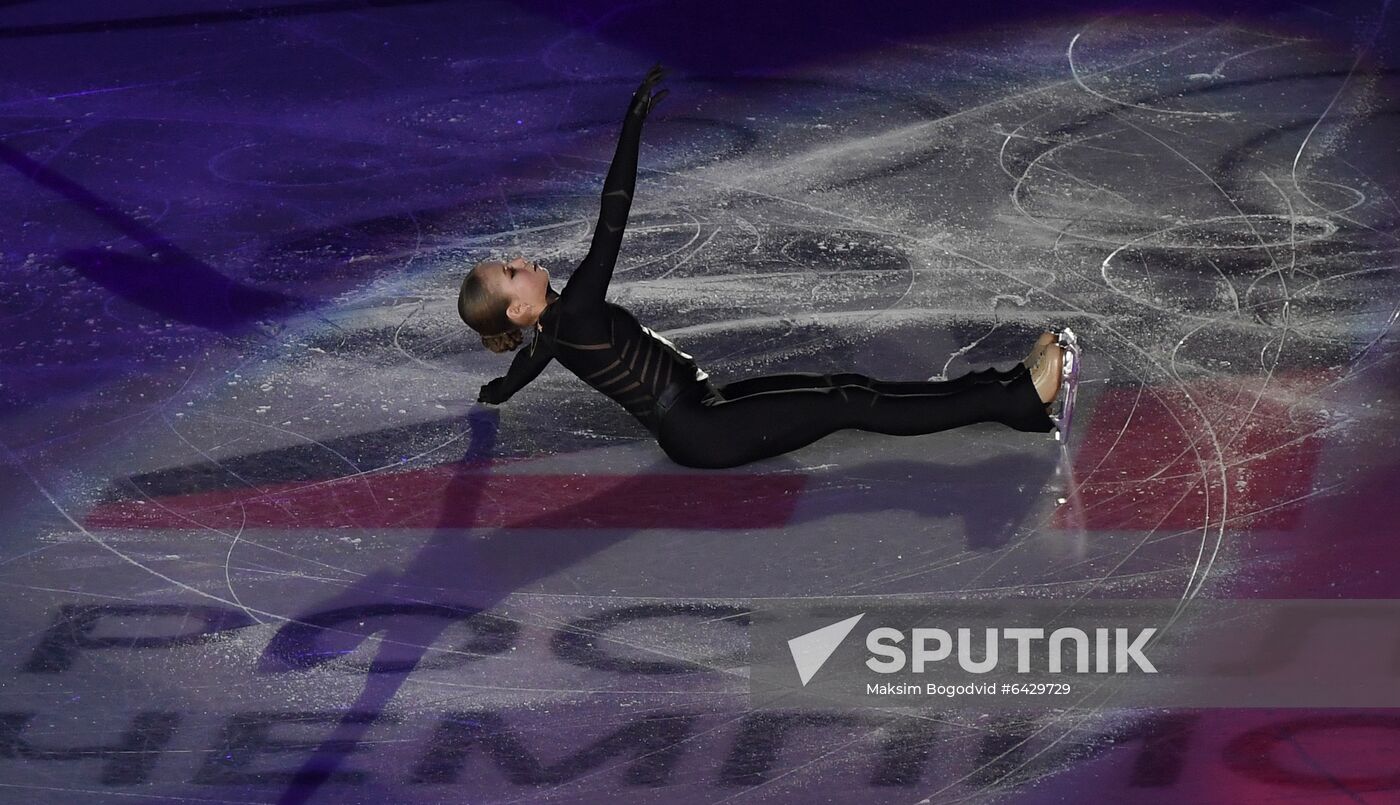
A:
[607,348]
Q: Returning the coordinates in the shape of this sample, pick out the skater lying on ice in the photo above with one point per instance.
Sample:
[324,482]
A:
[697,422]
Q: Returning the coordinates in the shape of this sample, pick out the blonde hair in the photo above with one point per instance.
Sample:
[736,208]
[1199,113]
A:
[508,341]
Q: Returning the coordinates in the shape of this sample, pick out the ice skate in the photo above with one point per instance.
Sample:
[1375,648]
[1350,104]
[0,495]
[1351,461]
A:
[1037,353]
[1069,384]
[1044,365]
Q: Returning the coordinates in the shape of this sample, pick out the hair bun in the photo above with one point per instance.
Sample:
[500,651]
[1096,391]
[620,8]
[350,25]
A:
[504,342]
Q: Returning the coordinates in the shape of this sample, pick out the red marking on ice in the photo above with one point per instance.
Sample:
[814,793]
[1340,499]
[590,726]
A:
[449,497]
[1148,461]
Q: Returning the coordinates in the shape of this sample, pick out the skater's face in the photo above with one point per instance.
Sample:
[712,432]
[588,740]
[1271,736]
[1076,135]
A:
[524,284]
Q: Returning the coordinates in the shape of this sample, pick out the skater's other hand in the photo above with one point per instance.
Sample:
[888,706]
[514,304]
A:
[643,101]
[493,393]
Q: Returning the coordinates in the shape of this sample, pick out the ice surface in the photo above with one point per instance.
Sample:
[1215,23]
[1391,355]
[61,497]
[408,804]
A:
[260,545]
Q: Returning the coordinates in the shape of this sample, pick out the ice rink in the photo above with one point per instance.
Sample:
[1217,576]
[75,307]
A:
[258,543]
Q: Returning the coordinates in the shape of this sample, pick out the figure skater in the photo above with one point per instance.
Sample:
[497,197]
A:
[702,424]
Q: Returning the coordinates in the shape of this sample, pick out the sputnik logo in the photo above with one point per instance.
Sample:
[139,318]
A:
[811,651]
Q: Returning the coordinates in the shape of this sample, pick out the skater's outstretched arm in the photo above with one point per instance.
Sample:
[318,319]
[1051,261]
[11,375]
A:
[526,367]
[590,280]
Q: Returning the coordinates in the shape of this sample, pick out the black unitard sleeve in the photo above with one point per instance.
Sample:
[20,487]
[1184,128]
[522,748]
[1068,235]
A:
[590,280]
[528,364]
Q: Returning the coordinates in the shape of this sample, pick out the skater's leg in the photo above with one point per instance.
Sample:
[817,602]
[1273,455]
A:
[765,424]
[764,384]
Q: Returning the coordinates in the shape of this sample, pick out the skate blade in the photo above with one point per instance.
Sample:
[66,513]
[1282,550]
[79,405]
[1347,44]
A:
[1069,382]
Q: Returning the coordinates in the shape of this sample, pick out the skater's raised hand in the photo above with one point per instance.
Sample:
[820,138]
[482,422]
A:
[643,101]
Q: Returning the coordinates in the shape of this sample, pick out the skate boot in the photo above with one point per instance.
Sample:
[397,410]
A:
[1037,353]
[1044,365]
